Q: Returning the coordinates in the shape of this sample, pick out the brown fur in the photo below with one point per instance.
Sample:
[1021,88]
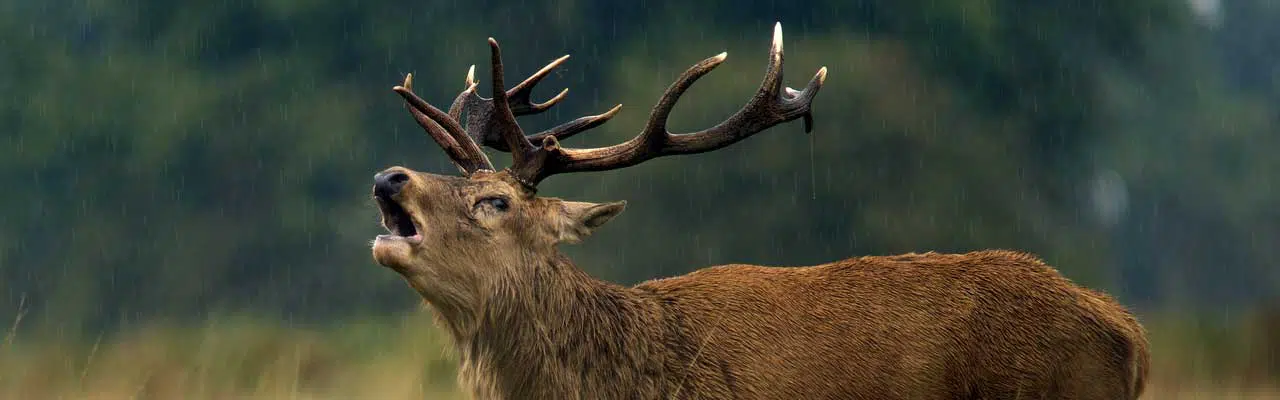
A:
[528,324]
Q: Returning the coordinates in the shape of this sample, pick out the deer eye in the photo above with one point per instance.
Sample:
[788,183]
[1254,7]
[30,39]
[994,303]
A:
[498,203]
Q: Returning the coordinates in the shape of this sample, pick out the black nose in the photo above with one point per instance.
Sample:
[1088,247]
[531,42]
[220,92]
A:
[387,184]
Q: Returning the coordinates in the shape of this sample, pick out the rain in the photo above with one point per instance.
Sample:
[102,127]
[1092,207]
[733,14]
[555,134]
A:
[188,210]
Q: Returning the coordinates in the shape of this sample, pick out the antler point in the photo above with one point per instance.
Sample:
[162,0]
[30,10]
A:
[822,75]
[777,36]
[558,97]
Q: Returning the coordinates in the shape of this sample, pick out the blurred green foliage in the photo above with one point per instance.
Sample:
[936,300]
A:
[171,159]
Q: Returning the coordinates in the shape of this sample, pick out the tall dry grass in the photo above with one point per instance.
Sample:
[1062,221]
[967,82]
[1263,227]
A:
[236,358]
[406,358]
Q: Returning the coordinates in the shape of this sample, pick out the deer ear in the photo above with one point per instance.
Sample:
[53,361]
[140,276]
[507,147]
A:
[579,219]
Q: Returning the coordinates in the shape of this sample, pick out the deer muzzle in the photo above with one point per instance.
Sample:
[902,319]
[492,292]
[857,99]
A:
[398,221]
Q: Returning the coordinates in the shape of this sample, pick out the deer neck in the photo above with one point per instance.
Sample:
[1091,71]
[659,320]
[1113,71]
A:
[541,328]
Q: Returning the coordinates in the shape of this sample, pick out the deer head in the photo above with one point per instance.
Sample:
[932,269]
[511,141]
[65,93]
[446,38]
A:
[453,236]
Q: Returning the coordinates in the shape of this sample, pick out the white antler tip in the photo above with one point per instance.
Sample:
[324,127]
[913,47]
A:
[777,36]
[720,57]
[408,80]
[822,75]
[471,75]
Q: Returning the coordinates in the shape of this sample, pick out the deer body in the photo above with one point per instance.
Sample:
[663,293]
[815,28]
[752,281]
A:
[982,325]
[481,250]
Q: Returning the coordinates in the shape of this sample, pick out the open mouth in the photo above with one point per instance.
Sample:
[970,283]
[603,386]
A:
[397,220]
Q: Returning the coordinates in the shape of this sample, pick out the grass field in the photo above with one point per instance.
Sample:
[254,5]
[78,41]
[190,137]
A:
[406,358]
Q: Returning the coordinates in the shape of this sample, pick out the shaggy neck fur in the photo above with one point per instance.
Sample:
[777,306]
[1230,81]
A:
[548,330]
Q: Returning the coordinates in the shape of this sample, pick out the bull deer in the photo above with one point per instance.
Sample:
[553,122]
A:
[481,250]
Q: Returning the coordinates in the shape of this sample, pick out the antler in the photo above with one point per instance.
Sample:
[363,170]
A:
[491,122]
[769,107]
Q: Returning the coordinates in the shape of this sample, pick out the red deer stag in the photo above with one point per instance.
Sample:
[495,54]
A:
[527,324]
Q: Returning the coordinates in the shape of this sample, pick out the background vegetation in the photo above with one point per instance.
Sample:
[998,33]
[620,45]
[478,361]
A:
[186,208]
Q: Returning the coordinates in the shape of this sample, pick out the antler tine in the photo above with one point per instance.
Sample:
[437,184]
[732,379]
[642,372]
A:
[769,107]
[466,98]
[520,96]
[576,126]
[656,128]
[446,132]
[503,120]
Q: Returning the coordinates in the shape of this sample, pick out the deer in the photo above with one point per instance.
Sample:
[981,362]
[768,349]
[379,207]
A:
[481,250]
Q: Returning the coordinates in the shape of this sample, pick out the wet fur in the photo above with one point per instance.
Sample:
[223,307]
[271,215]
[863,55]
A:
[983,325]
